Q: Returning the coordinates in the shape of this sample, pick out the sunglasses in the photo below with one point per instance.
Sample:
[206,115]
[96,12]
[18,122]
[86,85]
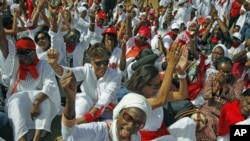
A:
[128,118]
[100,63]
[25,53]
[143,38]
[155,86]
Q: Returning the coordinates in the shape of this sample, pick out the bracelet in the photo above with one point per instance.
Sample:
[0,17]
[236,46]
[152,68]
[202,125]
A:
[183,76]
[89,117]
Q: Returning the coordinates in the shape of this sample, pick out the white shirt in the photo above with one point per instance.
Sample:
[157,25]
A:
[102,91]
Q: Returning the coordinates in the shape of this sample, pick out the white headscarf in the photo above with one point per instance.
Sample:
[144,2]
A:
[132,100]
[226,53]
[129,100]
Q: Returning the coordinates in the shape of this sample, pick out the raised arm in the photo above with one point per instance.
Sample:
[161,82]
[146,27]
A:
[53,56]
[3,39]
[173,58]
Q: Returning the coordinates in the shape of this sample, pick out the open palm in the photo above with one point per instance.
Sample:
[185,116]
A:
[181,66]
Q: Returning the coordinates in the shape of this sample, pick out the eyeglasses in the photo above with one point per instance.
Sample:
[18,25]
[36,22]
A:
[155,86]
[128,118]
[25,53]
[99,63]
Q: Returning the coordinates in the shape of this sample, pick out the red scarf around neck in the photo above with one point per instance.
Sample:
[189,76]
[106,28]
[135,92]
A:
[236,45]
[135,50]
[171,34]
[70,48]
[230,115]
[24,69]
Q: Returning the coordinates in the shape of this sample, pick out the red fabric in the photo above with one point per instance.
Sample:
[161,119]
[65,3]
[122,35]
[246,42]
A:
[236,45]
[150,135]
[89,117]
[238,69]
[24,69]
[25,44]
[201,20]
[171,34]
[230,114]
[235,10]
[222,2]
[70,48]
[102,14]
[30,7]
[200,32]
[194,88]
[144,31]
[135,50]
[214,40]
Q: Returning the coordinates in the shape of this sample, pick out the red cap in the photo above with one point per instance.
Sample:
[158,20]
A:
[201,20]
[25,44]
[145,31]
[102,14]
[110,30]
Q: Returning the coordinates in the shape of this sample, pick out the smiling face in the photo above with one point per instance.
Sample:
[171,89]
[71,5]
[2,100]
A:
[100,65]
[217,52]
[129,122]
[43,41]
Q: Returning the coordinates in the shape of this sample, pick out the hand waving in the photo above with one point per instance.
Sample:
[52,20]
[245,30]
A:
[174,53]
[181,66]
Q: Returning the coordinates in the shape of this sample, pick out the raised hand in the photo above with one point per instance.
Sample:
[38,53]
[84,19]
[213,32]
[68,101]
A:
[174,53]
[182,64]
[52,56]
[68,84]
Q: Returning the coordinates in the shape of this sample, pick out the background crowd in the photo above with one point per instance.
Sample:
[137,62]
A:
[124,70]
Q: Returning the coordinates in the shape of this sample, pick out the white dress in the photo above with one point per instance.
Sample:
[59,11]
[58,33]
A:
[18,105]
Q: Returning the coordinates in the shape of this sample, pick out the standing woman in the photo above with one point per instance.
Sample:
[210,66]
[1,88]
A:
[33,98]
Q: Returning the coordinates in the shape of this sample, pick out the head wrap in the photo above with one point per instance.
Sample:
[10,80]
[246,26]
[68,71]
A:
[225,50]
[25,44]
[24,68]
[145,31]
[102,14]
[133,100]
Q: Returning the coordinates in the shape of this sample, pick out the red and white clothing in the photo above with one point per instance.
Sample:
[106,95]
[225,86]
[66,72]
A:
[168,39]
[236,49]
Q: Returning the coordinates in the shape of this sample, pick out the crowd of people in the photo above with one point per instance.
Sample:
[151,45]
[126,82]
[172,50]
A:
[124,70]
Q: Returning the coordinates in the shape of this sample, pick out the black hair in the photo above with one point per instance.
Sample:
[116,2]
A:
[221,60]
[246,92]
[42,32]
[43,27]
[7,20]
[144,53]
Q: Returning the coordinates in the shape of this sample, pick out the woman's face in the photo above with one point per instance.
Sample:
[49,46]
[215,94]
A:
[66,15]
[26,56]
[141,40]
[129,122]
[245,105]
[217,52]
[217,31]
[100,65]
[43,41]
[109,42]
[152,87]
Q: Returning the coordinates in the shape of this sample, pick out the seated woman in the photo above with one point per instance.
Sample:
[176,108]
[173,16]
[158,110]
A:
[146,81]
[32,99]
[128,117]
[234,113]
[220,88]
[99,83]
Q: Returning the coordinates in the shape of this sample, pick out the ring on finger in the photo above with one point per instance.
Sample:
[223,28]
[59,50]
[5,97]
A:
[177,52]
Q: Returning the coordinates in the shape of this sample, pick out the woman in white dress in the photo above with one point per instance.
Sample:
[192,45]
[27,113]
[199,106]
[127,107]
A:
[33,98]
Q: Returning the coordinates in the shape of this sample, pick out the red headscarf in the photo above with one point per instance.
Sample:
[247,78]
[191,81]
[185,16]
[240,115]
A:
[24,68]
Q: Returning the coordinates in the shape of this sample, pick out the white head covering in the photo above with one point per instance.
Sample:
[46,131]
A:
[226,53]
[129,100]
[132,100]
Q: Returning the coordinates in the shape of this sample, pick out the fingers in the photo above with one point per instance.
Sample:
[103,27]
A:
[52,53]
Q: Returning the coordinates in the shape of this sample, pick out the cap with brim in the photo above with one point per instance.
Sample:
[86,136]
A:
[237,35]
